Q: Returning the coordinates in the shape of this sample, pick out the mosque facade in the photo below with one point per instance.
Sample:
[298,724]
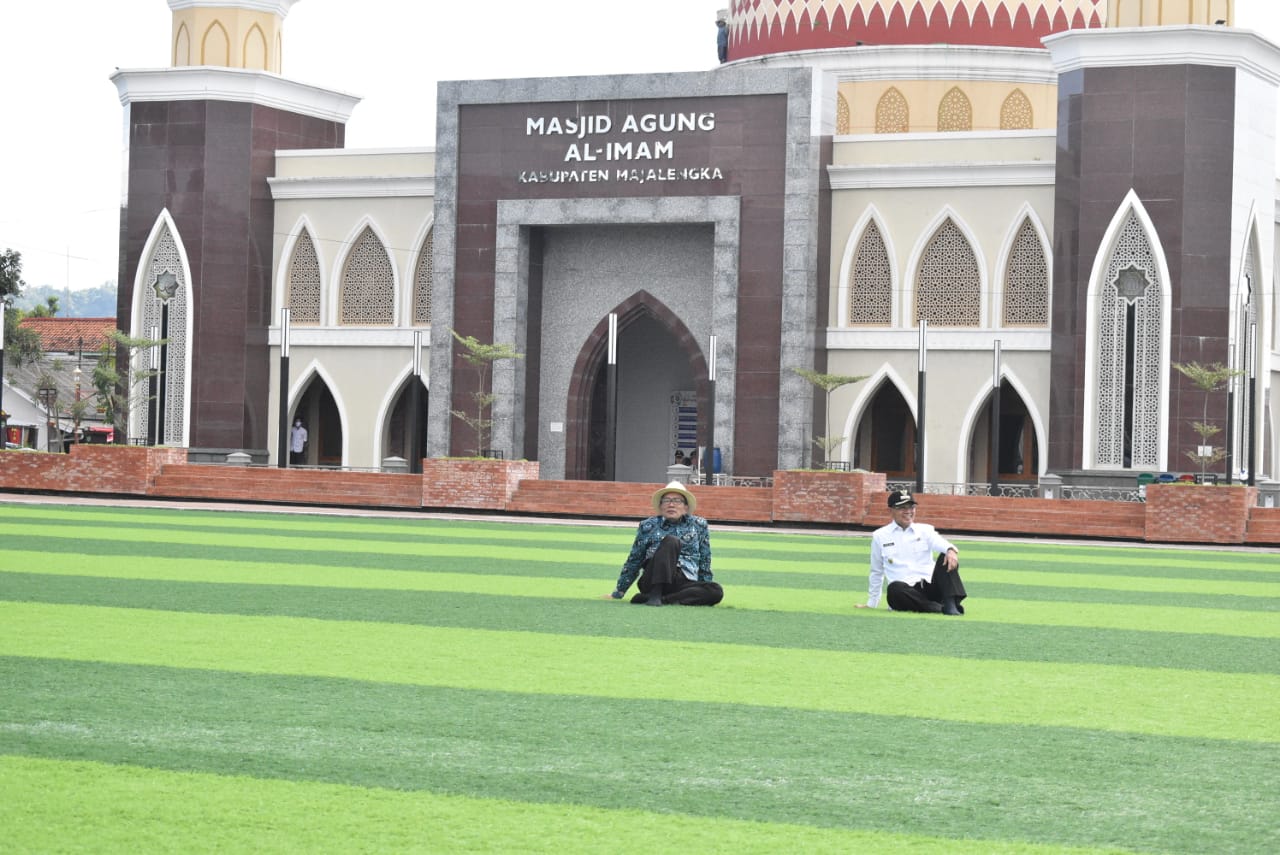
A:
[1022,213]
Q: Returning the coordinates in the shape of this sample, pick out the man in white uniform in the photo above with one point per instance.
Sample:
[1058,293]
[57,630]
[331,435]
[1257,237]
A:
[903,552]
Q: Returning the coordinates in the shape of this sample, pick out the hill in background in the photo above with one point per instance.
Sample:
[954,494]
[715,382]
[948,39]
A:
[99,302]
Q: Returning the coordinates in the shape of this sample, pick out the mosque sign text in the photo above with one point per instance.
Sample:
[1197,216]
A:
[600,147]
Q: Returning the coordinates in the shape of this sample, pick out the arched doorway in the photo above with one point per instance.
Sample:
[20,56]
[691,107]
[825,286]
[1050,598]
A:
[319,413]
[886,437]
[400,428]
[662,395]
[1019,448]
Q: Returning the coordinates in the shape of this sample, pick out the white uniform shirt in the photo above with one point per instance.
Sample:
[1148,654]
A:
[903,555]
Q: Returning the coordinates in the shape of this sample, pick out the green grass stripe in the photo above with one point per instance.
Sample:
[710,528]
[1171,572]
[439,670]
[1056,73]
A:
[1122,698]
[524,613]
[1071,787]
[292,527]
[1112,582]
[1147,614]
[1137,560]
[99,807]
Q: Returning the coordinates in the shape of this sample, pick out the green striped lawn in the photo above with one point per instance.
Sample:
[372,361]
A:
[201,680]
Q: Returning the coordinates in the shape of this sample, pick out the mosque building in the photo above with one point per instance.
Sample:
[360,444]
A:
[1039,206]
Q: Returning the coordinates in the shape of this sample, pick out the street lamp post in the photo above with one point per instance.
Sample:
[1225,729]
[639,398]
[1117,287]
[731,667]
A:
[48,394]
[282,442]
[165,286]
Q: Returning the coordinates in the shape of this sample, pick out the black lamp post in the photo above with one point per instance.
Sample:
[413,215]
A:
[165,286]
[920,383]
[611,401]
[282,441]
[48,394]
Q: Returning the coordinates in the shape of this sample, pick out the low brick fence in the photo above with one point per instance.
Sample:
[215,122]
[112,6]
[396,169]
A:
[1172,513]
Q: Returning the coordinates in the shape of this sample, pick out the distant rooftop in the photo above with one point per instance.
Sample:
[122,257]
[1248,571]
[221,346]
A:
[69,335]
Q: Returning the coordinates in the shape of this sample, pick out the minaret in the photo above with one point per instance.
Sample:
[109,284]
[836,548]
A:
[246,34]
[197,220]
[1163,234]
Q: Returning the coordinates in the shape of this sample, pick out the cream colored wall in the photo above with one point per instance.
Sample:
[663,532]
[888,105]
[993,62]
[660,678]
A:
[960,359]
[355,163]
[1154,13]
[924,96]
[363,366]
[958,383]
[910,215]
[227,37]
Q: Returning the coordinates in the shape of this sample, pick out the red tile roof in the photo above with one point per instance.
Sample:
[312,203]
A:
[67,335]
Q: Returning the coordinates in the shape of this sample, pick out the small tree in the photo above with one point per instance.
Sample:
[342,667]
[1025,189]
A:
[828,383]
[114,392]
[1206,378]
[482,356]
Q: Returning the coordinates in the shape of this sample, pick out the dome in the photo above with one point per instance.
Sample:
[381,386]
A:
[759,27]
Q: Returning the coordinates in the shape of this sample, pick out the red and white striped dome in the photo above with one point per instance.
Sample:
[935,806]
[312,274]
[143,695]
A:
[760,27]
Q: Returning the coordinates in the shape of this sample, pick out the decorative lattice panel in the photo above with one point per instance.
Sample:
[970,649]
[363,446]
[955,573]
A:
[842,115]
[368,284]
[871,281]
[1026,280]
[422,280]
[1128,424]
[1015,112]
[165,261]
[948,283]
[892,116]
[304,282]
[955,113]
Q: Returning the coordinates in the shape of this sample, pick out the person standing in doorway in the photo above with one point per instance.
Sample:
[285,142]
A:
[297,443]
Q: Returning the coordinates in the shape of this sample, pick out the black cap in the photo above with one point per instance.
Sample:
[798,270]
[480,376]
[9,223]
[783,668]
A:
[900,499]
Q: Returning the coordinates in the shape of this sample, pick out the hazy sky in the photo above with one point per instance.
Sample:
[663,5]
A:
[62,141]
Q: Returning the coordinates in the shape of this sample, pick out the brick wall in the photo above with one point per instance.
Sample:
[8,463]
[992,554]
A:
[473,484]
[1189,513]
[1172,513]
[825,497]
[108,469]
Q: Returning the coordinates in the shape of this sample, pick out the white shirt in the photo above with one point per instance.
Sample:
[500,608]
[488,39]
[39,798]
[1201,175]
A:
[903,555]
[298,439]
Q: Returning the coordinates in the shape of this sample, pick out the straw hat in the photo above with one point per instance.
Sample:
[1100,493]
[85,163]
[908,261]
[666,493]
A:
[675,487]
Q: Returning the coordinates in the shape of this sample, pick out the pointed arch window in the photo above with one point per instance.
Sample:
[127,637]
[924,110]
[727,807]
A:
[368,283]
[842,114]
[1015,112]
[948,282]
[1130,320]
[163,308]
[871,280]
[423,277]
[955,113]
[1026,280]
[304,282]
[892,115]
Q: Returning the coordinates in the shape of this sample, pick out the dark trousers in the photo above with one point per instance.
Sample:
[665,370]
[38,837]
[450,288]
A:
[662,572]
[928,596]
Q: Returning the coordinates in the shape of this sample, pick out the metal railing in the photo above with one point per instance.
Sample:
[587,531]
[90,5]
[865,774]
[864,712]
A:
[1023,490]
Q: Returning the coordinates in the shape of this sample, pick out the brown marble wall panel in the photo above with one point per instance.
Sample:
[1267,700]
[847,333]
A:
[207,162]
[748,144]
[1166,132]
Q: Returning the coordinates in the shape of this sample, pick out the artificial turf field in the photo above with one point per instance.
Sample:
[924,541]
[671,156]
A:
[183,680]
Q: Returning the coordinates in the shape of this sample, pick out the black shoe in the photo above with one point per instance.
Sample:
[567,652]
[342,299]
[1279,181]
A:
[654,598]
[931,607]
[949,607]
